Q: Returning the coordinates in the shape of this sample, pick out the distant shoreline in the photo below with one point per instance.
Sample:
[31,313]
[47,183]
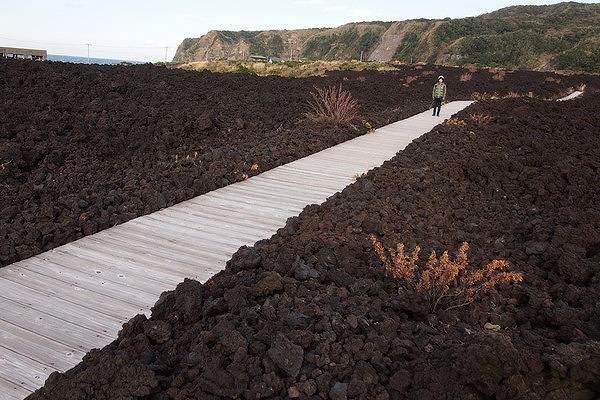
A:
[92,60]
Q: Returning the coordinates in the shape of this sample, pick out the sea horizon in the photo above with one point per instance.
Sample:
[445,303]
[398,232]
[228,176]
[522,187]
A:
[90,60]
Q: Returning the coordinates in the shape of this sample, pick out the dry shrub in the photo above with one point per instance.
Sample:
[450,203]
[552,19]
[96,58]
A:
[466,77]
[428,72]
[454,122]
[499,76]
[512,95]
[411,78]
[552,79]
[471,68]
[445,283]
[481,96]
[480,118]
[332,104]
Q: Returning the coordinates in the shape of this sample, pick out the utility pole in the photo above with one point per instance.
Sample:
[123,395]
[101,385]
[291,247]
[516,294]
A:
[88,45]
[166,50]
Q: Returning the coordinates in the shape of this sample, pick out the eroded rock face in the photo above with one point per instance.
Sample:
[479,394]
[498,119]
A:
[311,313]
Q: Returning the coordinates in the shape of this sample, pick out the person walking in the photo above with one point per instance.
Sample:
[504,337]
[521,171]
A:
[439,94]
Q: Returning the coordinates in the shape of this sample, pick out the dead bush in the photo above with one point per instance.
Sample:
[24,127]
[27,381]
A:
[479,118]
[332,104]
[499,76]
[445,283]
[454,122]
[512,95]
[465,77]
[477,96]
[552,79]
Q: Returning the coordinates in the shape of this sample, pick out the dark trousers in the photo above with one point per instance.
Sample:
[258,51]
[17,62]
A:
[437,104]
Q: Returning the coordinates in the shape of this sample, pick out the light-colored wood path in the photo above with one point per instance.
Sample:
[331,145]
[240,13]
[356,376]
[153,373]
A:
[58,305]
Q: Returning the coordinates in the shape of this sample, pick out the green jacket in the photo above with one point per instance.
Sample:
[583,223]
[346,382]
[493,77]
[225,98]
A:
[439,90]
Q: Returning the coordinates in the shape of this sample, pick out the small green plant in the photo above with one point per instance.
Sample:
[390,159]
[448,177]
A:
[445,283]
[242,69]
[332,104]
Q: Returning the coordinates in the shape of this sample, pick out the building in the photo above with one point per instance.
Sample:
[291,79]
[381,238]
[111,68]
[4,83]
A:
[28,54]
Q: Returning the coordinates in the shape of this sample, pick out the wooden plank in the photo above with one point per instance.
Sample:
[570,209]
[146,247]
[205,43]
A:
[163,239]
[274,193]
[202,205]
[252,196]
[282,193]
[51,288]
[104,267]
[300,179]
[226,221]
[149,252]
[304,191]
[211,232]
[32,345]
[12,391]
[151,261]
[293,177]
[128,266]
[223,223]
[338,168]
[58,268]
[305,174]
[23,371]
[151,272]
[83,335]
[255,210]
[316,175]
[225,210]
[270,197]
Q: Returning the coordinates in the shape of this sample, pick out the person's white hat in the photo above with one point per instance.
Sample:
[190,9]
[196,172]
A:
[441,77]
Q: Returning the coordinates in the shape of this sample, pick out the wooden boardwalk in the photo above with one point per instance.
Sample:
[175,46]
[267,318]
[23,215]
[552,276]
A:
[58,305]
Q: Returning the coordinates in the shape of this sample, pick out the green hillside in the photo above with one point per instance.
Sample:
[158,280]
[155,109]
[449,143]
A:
[563,36]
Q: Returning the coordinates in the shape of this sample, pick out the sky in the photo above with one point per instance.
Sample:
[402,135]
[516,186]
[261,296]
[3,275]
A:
[151,30]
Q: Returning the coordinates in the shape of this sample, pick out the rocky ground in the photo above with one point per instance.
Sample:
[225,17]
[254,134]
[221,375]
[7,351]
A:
[86,147]
[313,314]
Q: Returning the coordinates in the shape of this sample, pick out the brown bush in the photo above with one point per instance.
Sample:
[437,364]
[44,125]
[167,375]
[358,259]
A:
[454,122]
[499,76]
[332,104]
[465,77]
[445,283]
[479,118]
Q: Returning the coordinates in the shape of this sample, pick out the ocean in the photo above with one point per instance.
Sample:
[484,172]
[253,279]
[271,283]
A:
[84,60]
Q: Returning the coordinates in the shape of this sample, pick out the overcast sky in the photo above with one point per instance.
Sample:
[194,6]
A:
[151,30]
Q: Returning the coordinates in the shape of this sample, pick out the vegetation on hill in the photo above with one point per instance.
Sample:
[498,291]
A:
[563,36]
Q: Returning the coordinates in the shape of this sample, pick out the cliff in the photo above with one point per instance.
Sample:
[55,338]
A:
[560,36]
